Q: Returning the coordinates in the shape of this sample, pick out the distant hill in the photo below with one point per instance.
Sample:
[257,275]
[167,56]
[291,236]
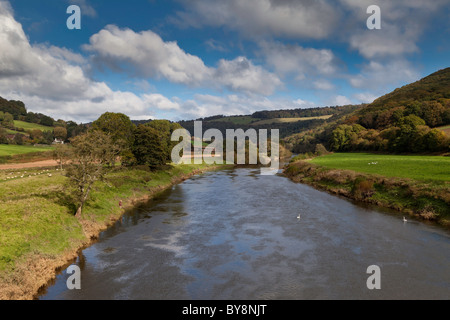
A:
[18,126]
[428,98]
[288,121]
[403,121]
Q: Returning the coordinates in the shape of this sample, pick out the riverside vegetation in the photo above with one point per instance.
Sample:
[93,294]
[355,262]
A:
[408,168]
[415,185]
[47,216]
[39,231]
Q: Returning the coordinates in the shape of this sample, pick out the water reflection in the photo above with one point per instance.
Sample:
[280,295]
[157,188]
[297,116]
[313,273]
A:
[234,234]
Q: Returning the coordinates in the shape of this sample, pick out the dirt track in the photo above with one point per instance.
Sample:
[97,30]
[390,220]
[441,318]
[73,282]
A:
[37,164]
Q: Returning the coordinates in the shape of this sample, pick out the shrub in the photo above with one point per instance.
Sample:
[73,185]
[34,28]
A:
[320,150]
[362,188]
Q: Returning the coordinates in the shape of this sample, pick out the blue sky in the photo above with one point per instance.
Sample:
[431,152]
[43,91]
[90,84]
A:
[187,59]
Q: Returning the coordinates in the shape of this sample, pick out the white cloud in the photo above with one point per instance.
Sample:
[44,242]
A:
[86,9]
[161,102]
[340,101]
[242,75]
[383,76]
[52,81]
[389,41]
[301,62]
[402,24]
[146,54]
[365,97]
[323,85]
[262,18]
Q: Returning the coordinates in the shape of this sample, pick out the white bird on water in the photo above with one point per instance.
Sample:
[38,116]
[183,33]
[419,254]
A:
[404,219]
[298,217]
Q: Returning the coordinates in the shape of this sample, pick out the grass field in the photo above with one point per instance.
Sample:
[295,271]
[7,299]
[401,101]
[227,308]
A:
[238,120]
[245,120]
[446,129]
[9,131]
[12,150]
[410,166]
[37,222]
[31,126]
[288,120]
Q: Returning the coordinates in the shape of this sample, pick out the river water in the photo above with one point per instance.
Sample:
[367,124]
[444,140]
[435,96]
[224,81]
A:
[234,234]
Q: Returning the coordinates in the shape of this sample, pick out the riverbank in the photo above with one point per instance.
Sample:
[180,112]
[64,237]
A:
[427,200]
[39,233]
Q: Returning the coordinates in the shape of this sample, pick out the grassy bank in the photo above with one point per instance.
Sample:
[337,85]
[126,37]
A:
[417,167]
[16,153]
[419,188]
[39,233]
[31,126]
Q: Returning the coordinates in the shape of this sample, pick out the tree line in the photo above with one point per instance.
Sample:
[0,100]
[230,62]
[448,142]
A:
[111,141]
[15,110]
[406,120]
[403,132]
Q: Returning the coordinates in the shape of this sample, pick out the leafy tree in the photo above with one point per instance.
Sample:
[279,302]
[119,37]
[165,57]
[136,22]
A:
[8,120]
[433,113]
[3,136]
[47,137]
[73,129]
[47,121]
[436,140]
[120,128]
[149,147]
[165,129]
[411,120]
[117,125]
[18,139]
[36,135]
[32,117]
[15,108]
[61,154]
[344,136]
[60,133]
[88,156]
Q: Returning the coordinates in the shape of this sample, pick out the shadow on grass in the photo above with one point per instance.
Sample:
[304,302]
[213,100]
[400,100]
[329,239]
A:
[61,198]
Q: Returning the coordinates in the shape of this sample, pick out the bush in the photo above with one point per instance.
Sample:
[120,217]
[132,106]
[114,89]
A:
[362,188]
[320,150]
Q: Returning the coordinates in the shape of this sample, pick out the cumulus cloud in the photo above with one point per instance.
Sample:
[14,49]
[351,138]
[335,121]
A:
[403,21]
[365,97]
[262,18]
[146,54]
[402,24]
[242,75]
[322,84]
[382,76]
[51,80]
[298,61]
[161,102]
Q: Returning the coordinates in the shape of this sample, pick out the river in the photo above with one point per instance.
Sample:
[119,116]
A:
[234,234]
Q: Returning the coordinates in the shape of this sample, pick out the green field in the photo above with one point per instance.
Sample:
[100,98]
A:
[238,120]
[31,126]
[288,120]
[12,150]
[37,221]
[446,129]
[411,166]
